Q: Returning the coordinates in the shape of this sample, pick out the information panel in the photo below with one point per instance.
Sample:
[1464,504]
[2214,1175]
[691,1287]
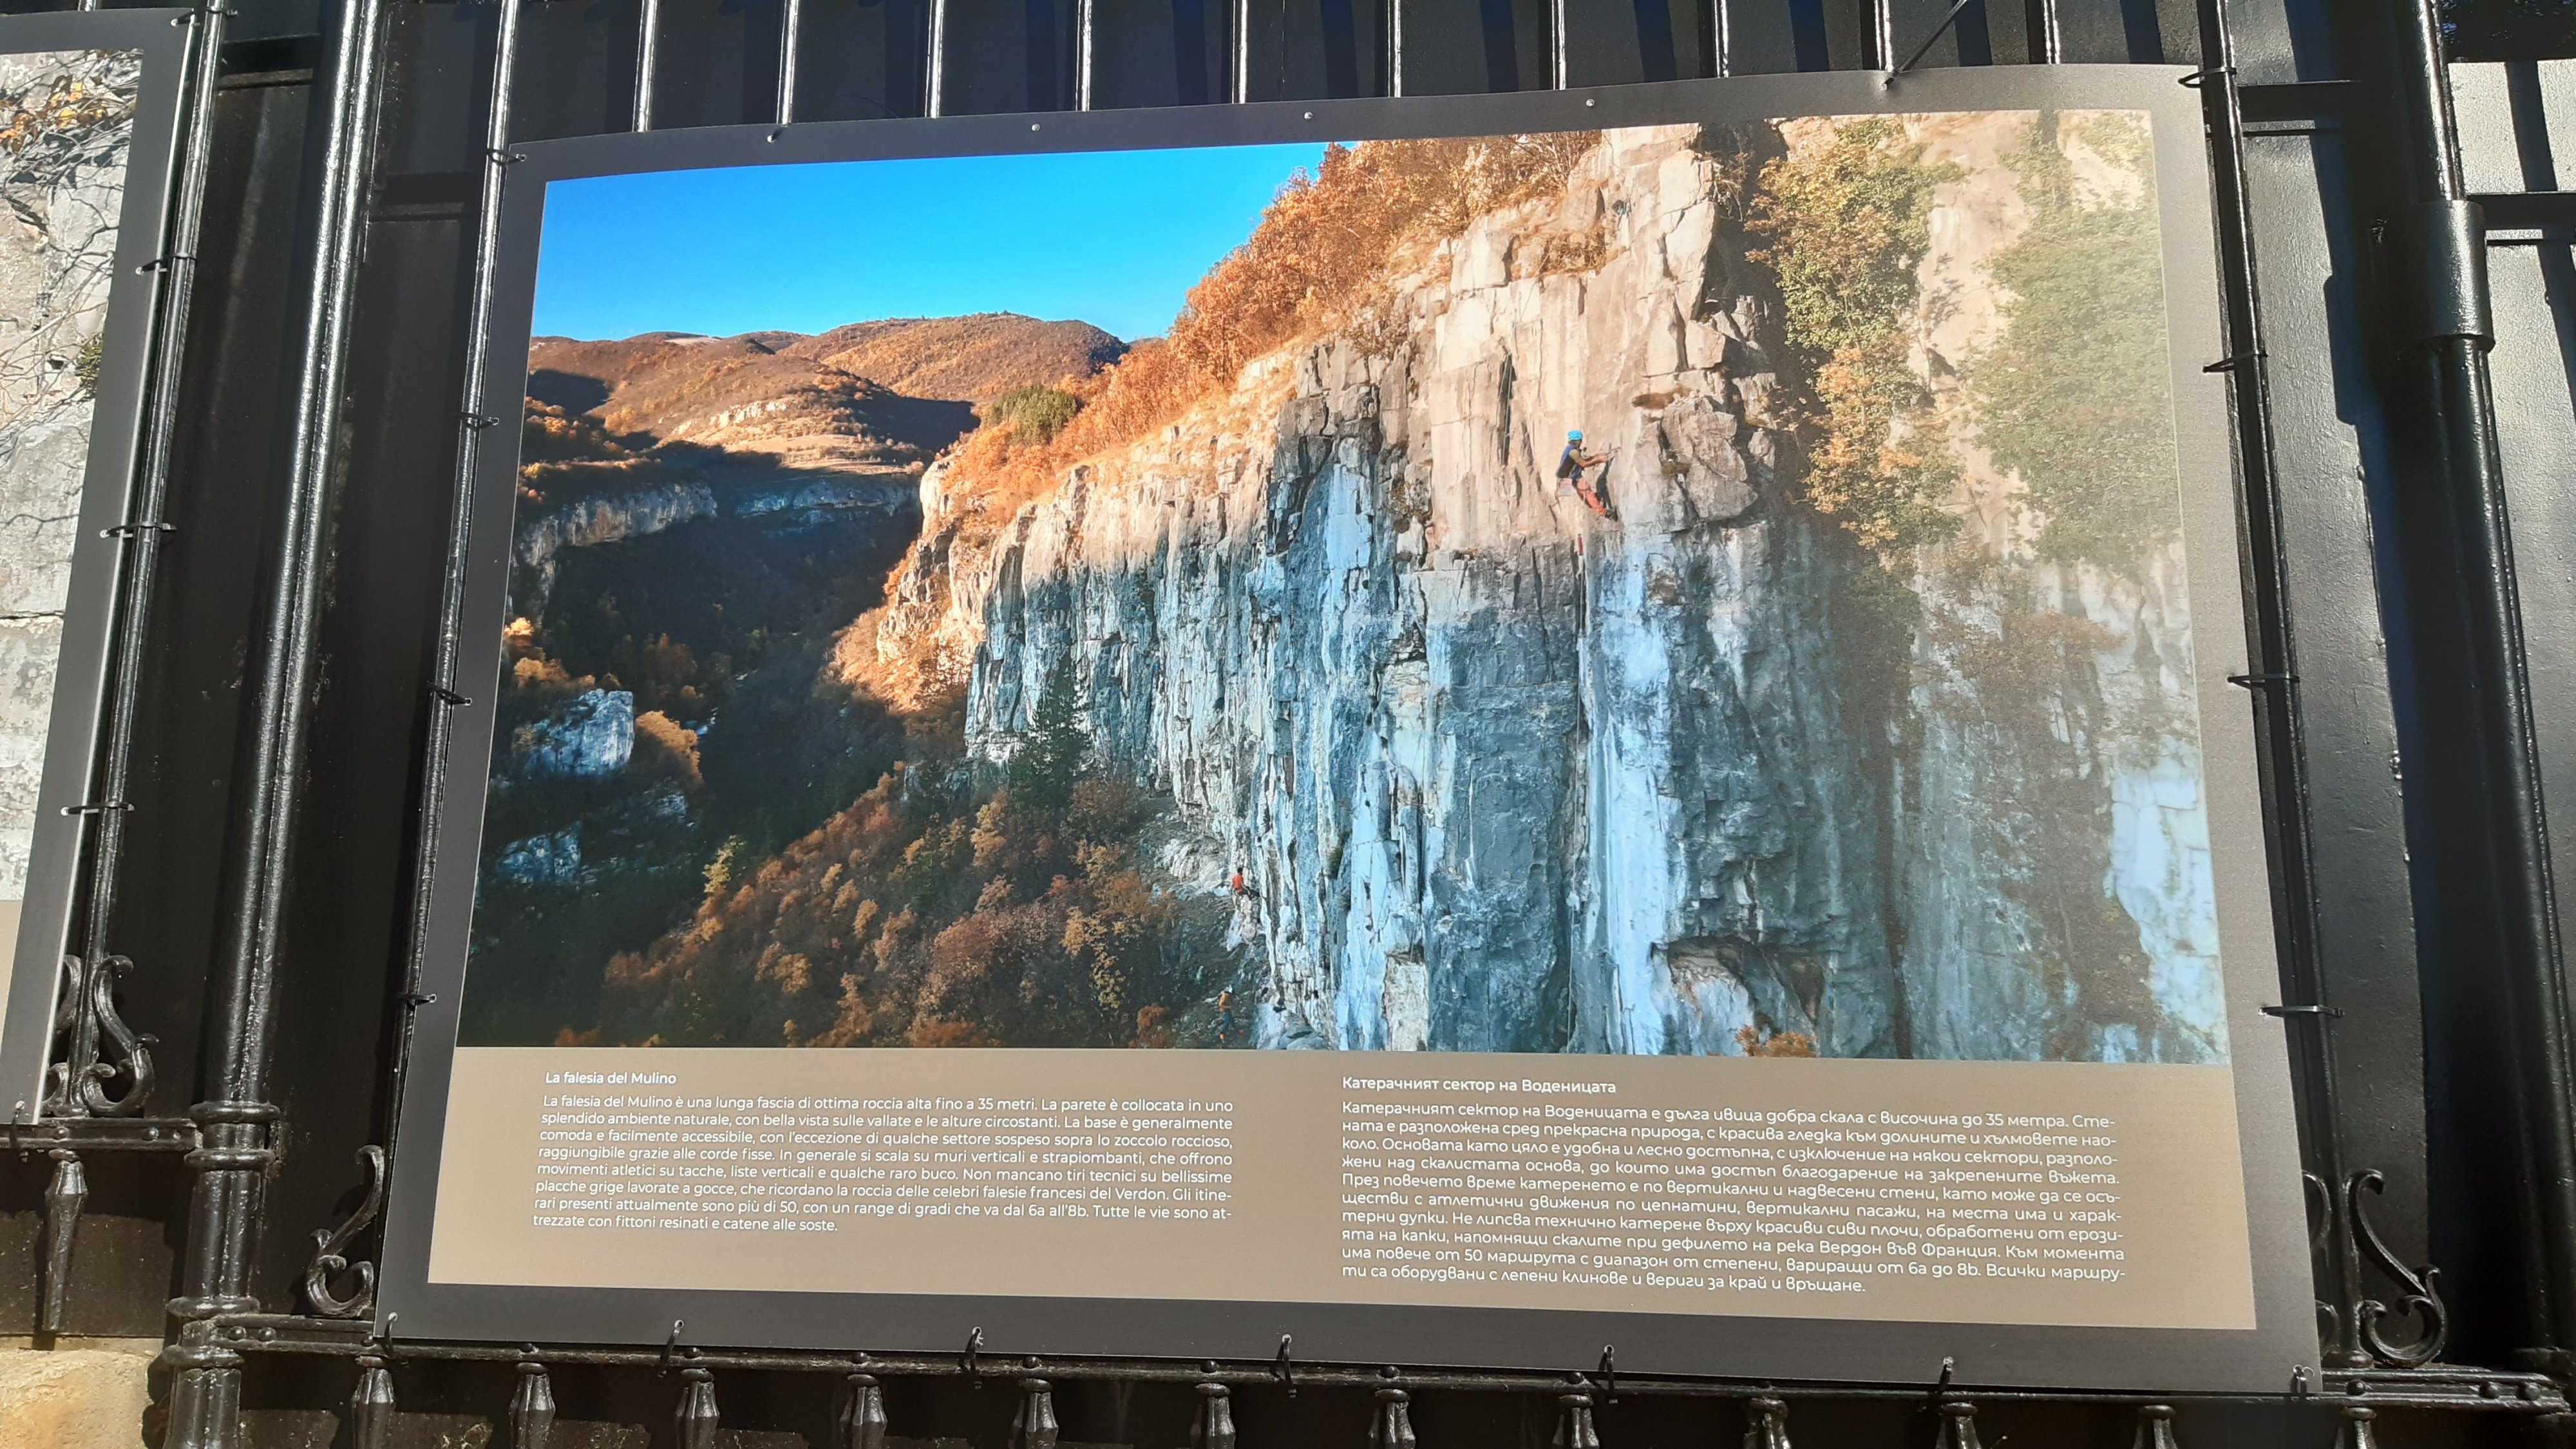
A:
[89,119]
[1149,733]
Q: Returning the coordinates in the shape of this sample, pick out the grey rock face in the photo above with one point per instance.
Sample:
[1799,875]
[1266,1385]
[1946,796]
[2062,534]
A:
[1506,776]
[61,196]
[1509,777]
[591,735]
[542,860]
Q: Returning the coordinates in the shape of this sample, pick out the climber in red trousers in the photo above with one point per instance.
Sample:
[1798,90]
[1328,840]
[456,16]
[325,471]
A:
[1570,468]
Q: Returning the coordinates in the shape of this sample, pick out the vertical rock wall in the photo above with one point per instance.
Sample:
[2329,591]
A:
[1505,776]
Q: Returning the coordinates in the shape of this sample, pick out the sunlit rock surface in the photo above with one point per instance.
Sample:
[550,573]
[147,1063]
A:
[1505,776]
[63,191]
[588,736]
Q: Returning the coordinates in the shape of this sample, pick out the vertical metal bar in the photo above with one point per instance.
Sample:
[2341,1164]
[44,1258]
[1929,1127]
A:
[1240,63]
[2047,39]
[648,34]
[1718,17]
[2450,348]
[2271,649]
[1556,42]
[1878,38]
[234,1124]
[791,18]
[64,1197]
[144,530]
[1086,17]
[935,72]
[472,422]
[1394,64]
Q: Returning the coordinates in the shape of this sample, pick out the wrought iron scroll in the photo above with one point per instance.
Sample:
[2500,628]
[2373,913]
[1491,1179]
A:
[95,1050]
[2345,1237]
[330,1250]
[2419,1290]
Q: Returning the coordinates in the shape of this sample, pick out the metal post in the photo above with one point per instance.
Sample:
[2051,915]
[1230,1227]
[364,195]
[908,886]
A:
[235,1152]
[2271,653]
[64,1197]
[371,1404]
[1574,1428]
[2448,332]
[471,425]
[1392,1426]
[1878,38]
[696,1420]
[1240,65]
[83,1091]
[1718,59]
[791,17]
[863,1416]
[648,33]
[2047,41]
[1035,1426]
[935,72]
[1394,47]
[1214,1426]
[1766,1423]
[532,1408]
[1556,41]
[1086,18]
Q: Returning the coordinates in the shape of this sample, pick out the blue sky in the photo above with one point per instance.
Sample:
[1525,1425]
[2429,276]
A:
[1111,238]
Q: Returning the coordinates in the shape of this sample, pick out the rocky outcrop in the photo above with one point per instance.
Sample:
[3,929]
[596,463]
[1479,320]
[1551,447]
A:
[598,519]
[553,859]
[588,736]
[1505,776]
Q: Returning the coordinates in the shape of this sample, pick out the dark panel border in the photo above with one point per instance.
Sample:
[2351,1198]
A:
[2259,1360]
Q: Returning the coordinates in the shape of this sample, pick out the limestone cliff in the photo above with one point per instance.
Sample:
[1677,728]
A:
[1706,776]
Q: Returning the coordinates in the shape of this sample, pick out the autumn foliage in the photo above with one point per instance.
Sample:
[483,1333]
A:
[1323,255]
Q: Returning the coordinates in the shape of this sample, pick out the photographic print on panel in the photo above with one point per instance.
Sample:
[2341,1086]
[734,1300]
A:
[88,108]
[1708,589]
[1148,732]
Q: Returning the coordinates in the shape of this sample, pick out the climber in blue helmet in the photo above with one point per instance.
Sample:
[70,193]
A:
[1570,468]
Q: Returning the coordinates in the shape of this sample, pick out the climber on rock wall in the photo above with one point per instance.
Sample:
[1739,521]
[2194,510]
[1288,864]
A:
[1570,468]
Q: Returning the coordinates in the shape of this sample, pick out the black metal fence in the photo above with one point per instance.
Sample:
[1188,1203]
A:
[288,639]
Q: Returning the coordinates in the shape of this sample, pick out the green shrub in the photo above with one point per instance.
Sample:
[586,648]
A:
[2077,395]
[1033,414]
[1844,228]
